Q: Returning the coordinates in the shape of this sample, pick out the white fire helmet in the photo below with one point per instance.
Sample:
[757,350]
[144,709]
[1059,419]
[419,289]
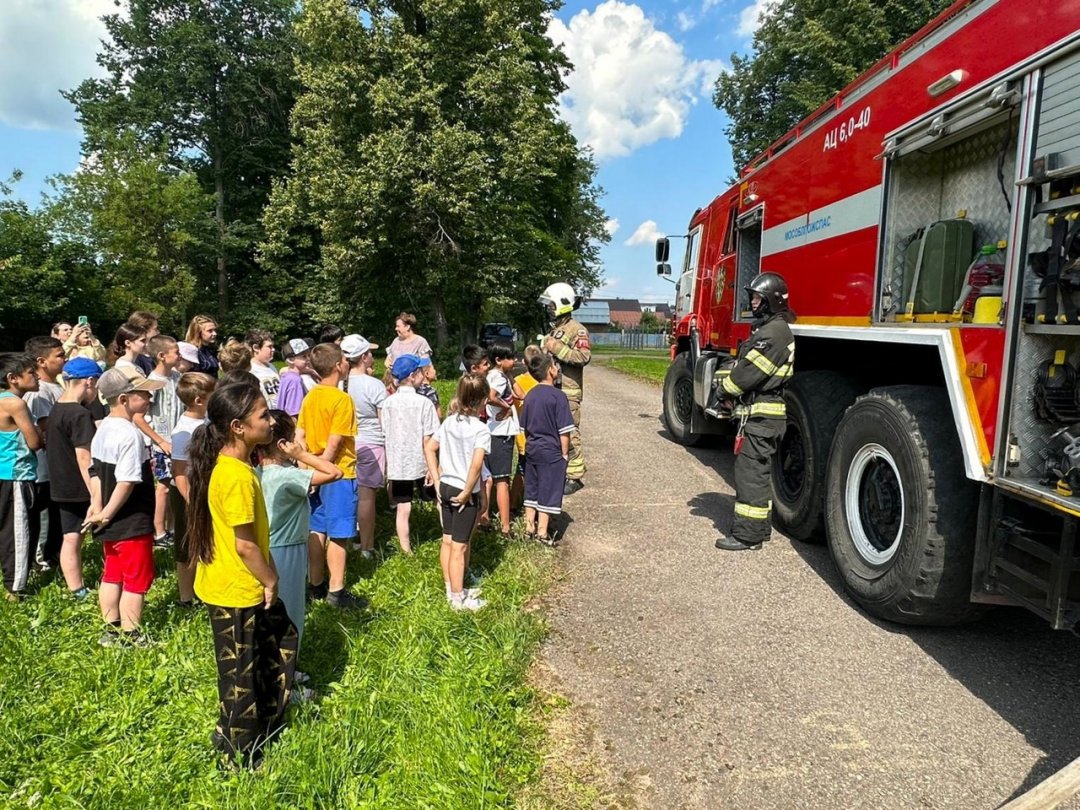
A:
[559,299]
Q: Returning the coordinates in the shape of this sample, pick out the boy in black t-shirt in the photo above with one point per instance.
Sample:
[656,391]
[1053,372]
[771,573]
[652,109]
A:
[68,435]
[548,423]
[122,505]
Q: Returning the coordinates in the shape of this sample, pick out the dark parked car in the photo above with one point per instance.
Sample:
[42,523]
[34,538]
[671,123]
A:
[493,333]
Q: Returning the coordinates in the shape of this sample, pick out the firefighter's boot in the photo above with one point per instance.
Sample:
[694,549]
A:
[725,543]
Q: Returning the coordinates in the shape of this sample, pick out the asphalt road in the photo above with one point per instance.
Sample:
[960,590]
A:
[749,680]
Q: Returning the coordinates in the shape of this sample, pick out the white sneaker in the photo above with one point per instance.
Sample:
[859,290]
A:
[301,694]
[468,603]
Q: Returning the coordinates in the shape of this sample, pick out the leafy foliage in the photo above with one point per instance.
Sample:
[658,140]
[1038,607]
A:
[39,275]
[212,83]
[431,172]
[148,225]
[804,52]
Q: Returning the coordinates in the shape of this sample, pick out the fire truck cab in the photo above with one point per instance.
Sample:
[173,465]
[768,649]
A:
[925,221]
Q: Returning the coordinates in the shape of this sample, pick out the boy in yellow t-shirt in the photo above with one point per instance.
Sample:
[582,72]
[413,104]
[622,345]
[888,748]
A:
[326,427]
[523,383]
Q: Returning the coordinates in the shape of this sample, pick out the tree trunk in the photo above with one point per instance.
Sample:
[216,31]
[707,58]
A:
[219,217]
[442,334]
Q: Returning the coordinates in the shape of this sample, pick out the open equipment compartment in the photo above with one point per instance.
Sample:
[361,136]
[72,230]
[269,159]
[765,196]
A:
[957,171]
[1031,551]
[1049,192]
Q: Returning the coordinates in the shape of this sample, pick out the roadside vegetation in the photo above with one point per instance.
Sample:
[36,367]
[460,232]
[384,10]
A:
[650,366]
[419,706]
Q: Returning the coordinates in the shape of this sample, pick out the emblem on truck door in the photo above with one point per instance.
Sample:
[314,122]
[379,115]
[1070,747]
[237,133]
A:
[721,281]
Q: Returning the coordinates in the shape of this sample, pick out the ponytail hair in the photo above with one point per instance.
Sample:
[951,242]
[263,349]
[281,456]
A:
[125,333]
[226,404]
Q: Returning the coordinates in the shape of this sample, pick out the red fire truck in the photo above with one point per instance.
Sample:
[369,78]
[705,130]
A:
[924,219]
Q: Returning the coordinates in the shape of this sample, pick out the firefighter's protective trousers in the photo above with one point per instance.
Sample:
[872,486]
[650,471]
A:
[574,352]
[753,486]
[765,363]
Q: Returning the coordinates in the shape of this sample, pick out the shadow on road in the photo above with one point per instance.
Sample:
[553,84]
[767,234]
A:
[1011,660]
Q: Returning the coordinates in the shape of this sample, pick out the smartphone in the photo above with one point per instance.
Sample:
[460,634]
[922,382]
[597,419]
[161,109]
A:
[82,320]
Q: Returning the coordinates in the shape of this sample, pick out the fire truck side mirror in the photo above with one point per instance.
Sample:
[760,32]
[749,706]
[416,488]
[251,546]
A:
[663,269]
[663,251]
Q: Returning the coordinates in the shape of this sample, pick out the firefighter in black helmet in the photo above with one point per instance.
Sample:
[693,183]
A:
[755,385]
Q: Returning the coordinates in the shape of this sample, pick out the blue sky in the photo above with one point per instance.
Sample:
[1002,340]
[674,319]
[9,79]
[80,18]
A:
[640,96]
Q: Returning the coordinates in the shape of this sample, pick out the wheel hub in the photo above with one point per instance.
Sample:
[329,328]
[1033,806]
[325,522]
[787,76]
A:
[790,462]
[874,504]
[684,400]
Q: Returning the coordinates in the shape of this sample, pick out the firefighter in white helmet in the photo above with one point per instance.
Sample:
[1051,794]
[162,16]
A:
[568,341]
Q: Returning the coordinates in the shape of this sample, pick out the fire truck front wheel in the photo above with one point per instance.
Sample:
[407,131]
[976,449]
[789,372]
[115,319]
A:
[899,511]
[678,401]
[816,401]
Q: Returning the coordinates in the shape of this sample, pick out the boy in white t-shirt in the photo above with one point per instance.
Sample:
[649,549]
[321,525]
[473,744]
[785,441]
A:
[461,443]
[48,355]
[165,409]
[407,420]
[503,423]
[262,364]
[122,505]
[194,390]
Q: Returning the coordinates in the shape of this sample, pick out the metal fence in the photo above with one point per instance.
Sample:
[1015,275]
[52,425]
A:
[630,339]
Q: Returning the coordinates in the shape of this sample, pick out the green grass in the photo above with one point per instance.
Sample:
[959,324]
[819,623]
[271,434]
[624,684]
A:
[650,369]
[419,706]
[602,350]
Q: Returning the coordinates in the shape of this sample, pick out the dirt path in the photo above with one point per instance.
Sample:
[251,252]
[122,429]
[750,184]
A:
[717,680]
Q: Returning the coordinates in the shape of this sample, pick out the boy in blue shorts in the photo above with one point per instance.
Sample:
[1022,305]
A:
[327,428]
[548,423]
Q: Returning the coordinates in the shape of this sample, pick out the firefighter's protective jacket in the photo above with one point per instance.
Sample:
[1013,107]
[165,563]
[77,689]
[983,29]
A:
[573,351]
[764,365]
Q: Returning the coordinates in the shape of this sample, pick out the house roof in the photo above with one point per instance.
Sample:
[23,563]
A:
[594,312]
[619,304]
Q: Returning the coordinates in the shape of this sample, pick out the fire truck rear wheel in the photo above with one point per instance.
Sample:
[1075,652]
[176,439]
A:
[899,511]
[816,401]
[678,401]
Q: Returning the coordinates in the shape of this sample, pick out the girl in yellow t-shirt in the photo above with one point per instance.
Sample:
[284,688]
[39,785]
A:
[229,538]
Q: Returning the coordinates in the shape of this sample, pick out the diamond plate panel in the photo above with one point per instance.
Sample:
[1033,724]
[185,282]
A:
[924,188]
[1033,434]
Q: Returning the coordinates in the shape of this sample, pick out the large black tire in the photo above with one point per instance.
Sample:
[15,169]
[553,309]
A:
[899,511]
[678,401]
[816,401]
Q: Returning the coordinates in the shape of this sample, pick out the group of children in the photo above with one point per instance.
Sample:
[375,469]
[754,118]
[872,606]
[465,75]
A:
[266,480]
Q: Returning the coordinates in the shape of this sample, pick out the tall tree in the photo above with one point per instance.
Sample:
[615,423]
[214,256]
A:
[148,225]
[804,52]
[39,276]
[212,79]
[431,170]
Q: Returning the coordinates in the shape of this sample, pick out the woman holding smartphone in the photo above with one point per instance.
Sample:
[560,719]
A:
[81,342]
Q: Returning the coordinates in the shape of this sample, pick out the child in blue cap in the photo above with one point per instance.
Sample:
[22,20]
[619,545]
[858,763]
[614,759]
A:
[407,420]
[68,434]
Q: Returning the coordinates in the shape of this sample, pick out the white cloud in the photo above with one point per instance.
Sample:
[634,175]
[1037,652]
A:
[46,46]
[632,84]
[612,226]
[750,17]
[646,234]
[685,21]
